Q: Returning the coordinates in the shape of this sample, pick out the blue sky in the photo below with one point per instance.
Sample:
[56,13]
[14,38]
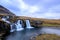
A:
[34,8]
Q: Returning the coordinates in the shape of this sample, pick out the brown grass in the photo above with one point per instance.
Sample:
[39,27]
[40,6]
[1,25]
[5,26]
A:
[47,37]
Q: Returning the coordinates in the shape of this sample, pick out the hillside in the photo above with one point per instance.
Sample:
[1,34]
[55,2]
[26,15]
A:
[5,11]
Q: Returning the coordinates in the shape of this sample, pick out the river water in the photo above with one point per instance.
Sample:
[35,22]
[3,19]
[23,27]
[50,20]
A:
[27,34]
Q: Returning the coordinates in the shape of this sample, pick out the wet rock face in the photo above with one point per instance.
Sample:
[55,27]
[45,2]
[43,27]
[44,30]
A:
[4,28]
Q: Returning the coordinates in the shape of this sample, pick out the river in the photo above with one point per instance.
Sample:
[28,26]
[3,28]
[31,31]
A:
[26,34]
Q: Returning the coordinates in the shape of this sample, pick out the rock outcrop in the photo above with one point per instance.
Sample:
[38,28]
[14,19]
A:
[4,29]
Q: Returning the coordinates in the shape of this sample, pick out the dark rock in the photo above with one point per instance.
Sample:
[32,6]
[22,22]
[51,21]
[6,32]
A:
[4,29]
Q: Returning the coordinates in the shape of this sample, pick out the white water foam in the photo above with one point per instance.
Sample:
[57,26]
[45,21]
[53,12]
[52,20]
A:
[28,24]
[19,26]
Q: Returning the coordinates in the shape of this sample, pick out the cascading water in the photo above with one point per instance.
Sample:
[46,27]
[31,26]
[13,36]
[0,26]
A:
[12,27]
[28,24]
[19,25]
[5,19]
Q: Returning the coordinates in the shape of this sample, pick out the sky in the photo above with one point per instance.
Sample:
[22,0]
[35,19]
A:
[34,8]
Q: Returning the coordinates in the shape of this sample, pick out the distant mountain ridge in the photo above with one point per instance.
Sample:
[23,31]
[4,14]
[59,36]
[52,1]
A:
[4,11]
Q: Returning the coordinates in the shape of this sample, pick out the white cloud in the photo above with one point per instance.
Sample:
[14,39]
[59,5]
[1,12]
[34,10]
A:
[25,7]
[33,9]
[22,5]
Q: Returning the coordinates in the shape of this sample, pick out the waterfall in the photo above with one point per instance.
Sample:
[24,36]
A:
[28,24]
[13,27]
[7,17]
[19,25]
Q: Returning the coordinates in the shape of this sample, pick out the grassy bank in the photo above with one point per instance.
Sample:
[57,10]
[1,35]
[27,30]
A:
[51,22]
[47,37]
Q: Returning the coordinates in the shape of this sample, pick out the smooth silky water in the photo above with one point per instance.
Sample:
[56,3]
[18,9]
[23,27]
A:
[26,34]
[28,24]
[19,25]
[19,33]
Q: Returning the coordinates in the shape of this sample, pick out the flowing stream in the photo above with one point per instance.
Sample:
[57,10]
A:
[27,34]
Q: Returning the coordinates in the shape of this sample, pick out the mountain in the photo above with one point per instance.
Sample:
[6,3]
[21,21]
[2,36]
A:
[5,11]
